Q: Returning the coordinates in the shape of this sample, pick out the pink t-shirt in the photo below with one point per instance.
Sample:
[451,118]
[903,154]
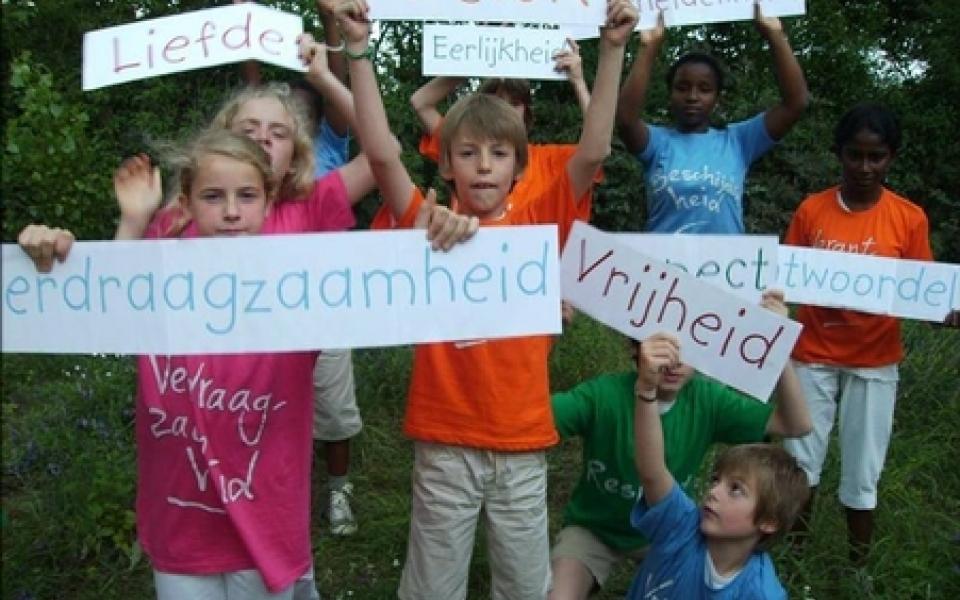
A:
[224,441]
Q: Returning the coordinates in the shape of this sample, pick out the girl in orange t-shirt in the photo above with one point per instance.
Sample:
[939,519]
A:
[845,355]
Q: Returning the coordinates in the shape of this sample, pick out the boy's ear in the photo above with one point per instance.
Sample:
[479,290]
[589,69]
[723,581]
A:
[768,526]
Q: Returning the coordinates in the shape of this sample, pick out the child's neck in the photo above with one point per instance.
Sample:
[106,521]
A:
[730,555]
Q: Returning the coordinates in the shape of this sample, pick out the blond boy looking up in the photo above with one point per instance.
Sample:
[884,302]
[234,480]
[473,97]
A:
[479,411]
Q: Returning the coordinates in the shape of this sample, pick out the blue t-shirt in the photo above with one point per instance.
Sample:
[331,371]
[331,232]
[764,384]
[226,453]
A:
[695,180]
[674,567]
[330,151]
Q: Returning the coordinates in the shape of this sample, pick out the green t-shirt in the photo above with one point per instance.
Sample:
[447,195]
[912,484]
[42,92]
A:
[601,412]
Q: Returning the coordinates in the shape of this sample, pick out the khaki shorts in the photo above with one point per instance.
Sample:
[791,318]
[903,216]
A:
[335,413]
[454,488]
[582,545]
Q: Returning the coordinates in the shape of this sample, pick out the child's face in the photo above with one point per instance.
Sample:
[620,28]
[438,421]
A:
[267,122]
[729,508]
[671,380]
[483,172]
[865,160]
[227,197]
[693,96]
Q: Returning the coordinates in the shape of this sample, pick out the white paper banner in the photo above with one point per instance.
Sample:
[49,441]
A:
[744,265]
[696,12]
[910,289]
[721,335]
[464,50]
[283,292]
[194,40]
[583,12]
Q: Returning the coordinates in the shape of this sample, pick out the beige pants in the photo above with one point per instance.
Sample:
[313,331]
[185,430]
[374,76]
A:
[335,413]
[452,486]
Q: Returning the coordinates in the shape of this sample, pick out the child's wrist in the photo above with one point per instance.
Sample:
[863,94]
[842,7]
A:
[645,393]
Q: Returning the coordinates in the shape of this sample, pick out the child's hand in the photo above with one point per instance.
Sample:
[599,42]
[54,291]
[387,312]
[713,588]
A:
[42,244]
[773,300]
[352,18]
[654,37]
[139,193]
[658,352]
[326,6]
[567,312]
[444,227]
[313,55]
[569,61]
[621,19]
[767,26]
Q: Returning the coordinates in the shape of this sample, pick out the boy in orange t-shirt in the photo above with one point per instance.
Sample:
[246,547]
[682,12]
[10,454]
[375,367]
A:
[845,355]
[479,411]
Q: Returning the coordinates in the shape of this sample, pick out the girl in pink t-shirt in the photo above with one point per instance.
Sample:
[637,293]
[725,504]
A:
[223,441]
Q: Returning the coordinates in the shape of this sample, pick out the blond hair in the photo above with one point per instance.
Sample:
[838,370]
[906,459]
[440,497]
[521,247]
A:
[185,160]
[486,117]
[781,486]
[298,180]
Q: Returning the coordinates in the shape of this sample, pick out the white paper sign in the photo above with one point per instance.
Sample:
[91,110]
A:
[584,12]
[194,40]
[696,12]
[282,292]
[744,265]
[910,289]
[721,335]
[464,50]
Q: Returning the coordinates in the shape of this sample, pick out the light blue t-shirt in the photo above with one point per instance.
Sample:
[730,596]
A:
[695,180]
[330,151]
[674,566]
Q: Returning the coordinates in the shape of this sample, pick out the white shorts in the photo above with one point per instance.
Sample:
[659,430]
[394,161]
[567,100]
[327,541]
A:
[234,585]
[335,413]
[866,398]
[451,487]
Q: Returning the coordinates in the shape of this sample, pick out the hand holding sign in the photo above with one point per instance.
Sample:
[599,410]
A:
[621,19]
[766,26]
[444,227]
[42,244]
[657,354]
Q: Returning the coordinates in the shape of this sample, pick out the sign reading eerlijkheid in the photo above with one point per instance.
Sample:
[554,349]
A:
[193,40]
[910,289]
[282,292]
[582,12]
[744,265]
[724,336]
[485,51]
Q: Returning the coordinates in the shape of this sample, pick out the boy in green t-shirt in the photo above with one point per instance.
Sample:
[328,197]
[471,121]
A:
[695,413]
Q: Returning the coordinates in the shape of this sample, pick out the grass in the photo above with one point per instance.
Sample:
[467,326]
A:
[68,482]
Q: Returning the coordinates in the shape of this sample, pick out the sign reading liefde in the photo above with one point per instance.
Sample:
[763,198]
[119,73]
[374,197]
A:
[583,12]
[910,289]
[280,293]
[204,38]
[696,12]
[464,50]
[735,341]
[744,265]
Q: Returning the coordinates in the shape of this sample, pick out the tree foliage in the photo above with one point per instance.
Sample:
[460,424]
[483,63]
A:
[61,144]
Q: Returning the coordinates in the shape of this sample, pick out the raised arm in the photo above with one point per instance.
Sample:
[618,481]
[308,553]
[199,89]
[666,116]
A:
[337,99]
[136,182]
[657,352]
[790,417]
[371,125]
[594,145]
[794,97]
[425,100]
[633,95]
[339,117]
[570,62]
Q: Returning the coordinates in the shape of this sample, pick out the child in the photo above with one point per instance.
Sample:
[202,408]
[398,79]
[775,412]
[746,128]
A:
[695,173]
[545,162]
[755,492]
[846,357]
[695,412]
[479,410]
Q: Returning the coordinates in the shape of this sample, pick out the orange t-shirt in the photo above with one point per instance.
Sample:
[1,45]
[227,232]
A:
[894,227]
[545,162]
[491,394]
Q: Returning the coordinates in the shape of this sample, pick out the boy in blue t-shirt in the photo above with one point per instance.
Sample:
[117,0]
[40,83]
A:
[716,550]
